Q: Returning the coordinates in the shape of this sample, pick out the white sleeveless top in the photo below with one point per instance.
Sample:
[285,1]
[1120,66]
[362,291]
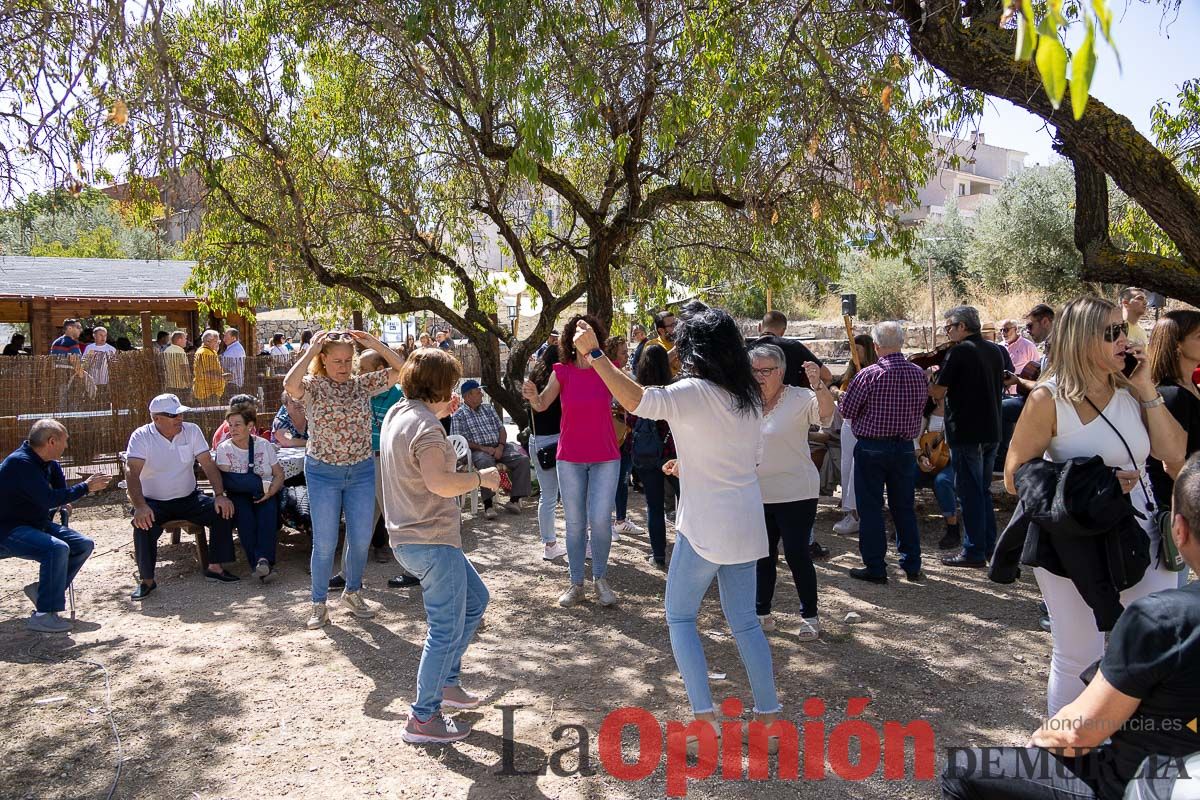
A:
[1076,440]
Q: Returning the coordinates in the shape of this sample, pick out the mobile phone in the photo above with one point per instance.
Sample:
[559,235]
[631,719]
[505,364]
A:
[1131,363]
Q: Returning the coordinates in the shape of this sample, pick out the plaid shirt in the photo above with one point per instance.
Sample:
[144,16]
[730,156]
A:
[885,400]
[481,426]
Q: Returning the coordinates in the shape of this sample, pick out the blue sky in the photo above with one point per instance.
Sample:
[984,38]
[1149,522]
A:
[1157,55]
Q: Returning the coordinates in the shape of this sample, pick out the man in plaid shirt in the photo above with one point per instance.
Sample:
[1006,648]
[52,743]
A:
[480,425]
[884,405]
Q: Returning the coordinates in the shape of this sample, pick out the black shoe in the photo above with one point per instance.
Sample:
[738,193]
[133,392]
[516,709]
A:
[221,577]
[657,563]
[961,560]
[818,552]
[143,590]
[382,555]
[402,582]
[864,574]
[951,541]
[1044,622]
[915,576]
[337,582]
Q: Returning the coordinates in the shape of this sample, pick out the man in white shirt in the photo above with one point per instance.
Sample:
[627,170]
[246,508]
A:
[233,359]
[1133,308]
[162,487]
[95,358]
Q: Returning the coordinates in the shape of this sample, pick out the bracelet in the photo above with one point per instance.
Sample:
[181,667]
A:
[479,480]
[1157,401]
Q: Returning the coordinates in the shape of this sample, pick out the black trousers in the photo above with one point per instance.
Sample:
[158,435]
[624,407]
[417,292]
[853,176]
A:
[197,508]
[791,523]
[1023,773]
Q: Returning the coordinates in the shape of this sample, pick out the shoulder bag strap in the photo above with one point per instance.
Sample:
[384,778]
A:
[1132,460]
[250,456]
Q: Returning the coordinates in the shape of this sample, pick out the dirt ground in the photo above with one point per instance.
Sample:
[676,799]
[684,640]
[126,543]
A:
[218,691]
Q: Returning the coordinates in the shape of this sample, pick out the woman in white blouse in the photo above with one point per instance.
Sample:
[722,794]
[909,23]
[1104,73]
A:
[788,480]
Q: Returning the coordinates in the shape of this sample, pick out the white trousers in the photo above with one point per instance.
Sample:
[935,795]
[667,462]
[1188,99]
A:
[848,442]
[1077,642]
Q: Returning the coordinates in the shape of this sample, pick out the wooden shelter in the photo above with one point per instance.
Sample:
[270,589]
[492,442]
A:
[42,292]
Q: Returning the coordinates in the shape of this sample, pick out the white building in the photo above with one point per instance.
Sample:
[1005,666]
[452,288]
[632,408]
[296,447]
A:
[969,172]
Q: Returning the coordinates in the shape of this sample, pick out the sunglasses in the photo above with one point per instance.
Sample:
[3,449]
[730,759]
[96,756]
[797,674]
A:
[168,416]
[337,336]
[1116,331]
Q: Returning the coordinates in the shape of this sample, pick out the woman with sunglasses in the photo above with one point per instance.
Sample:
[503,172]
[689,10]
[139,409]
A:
[1084,407]
[339,466]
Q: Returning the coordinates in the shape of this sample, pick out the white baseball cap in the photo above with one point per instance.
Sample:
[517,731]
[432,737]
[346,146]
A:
[167,404]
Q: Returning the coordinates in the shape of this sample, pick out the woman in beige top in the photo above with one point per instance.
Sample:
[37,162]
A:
[420,483]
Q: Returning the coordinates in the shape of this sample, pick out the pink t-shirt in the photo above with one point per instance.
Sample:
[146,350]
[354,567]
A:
[587,428]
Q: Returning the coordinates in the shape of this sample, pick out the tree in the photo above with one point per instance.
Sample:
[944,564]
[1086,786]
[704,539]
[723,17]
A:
[83,225]
[1025,237]
[944,242]
[354,150]
[973,43]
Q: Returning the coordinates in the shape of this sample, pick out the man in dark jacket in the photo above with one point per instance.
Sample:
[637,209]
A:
[32,487]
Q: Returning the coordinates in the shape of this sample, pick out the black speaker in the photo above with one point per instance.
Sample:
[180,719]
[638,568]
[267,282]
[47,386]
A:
[849,305]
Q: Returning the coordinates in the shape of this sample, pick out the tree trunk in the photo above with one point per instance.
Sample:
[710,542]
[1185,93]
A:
[599,284]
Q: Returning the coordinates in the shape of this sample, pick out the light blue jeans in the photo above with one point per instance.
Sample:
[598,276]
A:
[455,599]
[688,579]
[588,494]
[333,489]
[548,484]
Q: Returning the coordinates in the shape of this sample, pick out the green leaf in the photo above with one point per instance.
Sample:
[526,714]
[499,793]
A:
[1026,33]
[1104,16]
[1055,8]
[1051,61]
[1083,65]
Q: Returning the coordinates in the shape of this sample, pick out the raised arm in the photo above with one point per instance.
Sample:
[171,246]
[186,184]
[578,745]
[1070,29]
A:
[541,401]
[626,391]
[1168,440]
[394,360]
[294,382]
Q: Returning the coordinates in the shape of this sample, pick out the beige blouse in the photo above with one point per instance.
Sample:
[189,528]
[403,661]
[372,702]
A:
[339,416]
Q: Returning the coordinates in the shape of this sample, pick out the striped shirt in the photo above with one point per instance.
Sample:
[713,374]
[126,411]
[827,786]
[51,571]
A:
[885,399]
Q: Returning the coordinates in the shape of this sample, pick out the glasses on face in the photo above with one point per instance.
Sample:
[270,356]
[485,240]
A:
[1116,331]
[763,372]
[1007,328]
[951,326]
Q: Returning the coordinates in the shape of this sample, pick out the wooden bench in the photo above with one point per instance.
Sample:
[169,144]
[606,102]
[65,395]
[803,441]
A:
[177,527]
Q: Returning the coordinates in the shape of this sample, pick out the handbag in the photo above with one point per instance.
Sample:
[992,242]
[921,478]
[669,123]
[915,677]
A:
[248,482]
[1168,554]
[546,456]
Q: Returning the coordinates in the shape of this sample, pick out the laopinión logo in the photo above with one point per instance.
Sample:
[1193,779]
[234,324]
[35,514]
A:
[854,748]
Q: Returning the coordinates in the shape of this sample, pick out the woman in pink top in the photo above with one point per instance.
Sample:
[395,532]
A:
[1020,349]
[588,462]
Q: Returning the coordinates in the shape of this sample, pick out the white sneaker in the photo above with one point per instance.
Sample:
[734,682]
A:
[767,622]
[626,526]
[357,605]
[846,525]
[810,629]
[554,550]
[616,536]
[572,596]
[318,618]
[604,593]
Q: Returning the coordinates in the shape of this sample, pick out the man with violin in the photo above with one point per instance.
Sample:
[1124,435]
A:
[972,383]
[1039,323]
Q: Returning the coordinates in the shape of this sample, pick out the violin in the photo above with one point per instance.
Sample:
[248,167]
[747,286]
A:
[932,358]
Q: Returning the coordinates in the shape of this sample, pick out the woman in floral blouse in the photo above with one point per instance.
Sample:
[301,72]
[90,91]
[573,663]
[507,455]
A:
[339,466]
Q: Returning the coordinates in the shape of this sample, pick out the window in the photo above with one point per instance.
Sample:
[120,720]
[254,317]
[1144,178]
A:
[962,190]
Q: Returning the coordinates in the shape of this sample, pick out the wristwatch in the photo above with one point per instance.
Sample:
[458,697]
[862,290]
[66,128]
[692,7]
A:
[597,353]
[1157,401]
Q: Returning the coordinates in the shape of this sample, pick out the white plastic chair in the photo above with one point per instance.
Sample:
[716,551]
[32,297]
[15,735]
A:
[462,450]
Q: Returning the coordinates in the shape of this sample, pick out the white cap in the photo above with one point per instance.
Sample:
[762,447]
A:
[167,404]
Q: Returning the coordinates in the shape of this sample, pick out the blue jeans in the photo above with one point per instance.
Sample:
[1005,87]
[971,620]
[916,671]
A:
[588,492]
[878,464]
[943,490]
[257,526]
[333,489]
[973,481]
[688,580]
[622,498]
[455,599]
[655,483]
[60,551]
[548,483]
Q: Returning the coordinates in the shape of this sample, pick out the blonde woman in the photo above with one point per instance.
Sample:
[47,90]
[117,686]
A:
[1077,411]
[339,466]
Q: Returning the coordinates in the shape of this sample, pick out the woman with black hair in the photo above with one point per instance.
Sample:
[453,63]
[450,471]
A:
[715,412]
[654,369]
[588,461]
[545,434]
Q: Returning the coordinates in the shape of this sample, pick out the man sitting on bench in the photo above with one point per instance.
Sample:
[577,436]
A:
[162,488]
[32,487]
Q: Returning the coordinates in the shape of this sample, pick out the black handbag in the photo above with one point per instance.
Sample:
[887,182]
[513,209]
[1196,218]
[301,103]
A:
[244,483]
[546,456]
